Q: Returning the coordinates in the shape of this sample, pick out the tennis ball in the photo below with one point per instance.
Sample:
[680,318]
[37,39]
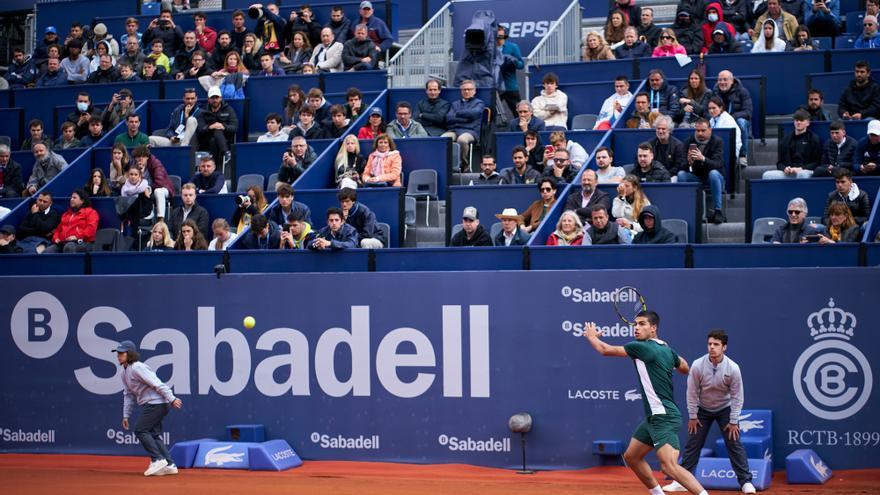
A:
[249,322]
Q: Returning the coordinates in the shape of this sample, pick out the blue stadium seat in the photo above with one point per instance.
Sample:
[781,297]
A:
[854,22]
[764,228]
[844,42]
[678,227]
[248,180]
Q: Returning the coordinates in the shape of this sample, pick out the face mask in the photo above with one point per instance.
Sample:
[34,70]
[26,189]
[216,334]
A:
[82,107]
[712,17]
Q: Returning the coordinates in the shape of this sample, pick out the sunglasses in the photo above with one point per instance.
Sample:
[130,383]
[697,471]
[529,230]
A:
[794,212]
[546,189]
[666,37]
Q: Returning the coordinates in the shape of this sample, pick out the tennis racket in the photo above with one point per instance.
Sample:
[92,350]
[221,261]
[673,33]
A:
[629,302]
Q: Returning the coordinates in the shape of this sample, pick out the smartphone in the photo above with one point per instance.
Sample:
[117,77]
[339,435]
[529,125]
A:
[692,147]
[813,237]
[549,148]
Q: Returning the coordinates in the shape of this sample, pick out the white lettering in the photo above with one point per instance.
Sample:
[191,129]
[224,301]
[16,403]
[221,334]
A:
[479,327]
[208,343]
[452,369]
[388,360]
[100,348]
[297,360]
[358,342]
[178,359]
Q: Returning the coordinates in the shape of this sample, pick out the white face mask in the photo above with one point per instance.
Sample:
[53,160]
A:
[82,107]
[712,17]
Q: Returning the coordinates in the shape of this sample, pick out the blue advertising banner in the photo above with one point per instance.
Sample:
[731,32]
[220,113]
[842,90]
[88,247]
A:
[526,23]
[371,374]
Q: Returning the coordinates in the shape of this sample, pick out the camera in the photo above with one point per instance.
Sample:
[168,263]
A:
[163,23]
[242,199]
[255,12]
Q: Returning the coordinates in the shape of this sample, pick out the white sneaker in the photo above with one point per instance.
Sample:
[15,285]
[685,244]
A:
[167,470]
[674,487]
[748,488]
[155,467]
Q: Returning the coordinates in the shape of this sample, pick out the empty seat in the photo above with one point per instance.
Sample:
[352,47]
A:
[273,180]
[844,42]
[177,182]
[763,229]
[248,180]
[678,227]
[455,229]
[584,122]
[422,184]
[409,212]
[385,229]
[854,21]
[108,240]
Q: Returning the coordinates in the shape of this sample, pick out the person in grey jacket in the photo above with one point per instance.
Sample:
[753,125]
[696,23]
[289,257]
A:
[715,394]
[48,164]
[359,53]
[141,386]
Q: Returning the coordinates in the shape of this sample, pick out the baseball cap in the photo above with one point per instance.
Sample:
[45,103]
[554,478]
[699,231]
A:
[376,111]
[367,5]
[125,346]
[7,229]
[100,29]
[874,127]
[470,213]
[51,29]
[214,91]
[718,31]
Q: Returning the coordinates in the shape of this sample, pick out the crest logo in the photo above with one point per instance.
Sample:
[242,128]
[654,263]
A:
[832,379]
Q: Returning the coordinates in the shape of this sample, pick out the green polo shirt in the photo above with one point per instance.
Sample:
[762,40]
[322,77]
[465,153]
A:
[139,139]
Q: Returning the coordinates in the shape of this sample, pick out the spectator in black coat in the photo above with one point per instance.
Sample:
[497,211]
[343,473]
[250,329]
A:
[218,124]
[11,182]
[688,32]
[668,149]
[188,210]
[583,200]
[848,192]
[36,228]
[471,233]
[208,180]
[262,234]
[432,110]
[799,152]
[362,219]
[164,29]
[653,231]
[837,152]
[705,162]
[360,52]
[340,24]
[861,99]
[632,47]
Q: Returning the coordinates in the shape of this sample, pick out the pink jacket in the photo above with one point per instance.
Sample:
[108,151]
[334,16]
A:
[668,51]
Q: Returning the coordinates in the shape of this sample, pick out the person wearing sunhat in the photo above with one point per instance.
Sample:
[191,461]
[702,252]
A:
[511,234]
[141,386]
[472,233]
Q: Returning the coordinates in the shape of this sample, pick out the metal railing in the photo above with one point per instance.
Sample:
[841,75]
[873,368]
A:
[561,44]
[428,54]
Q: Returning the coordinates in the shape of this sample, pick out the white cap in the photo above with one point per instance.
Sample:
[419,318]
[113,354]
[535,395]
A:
[214,91]
[874,127]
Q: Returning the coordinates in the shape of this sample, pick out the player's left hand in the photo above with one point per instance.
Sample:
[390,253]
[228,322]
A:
[732,431]
[177,404]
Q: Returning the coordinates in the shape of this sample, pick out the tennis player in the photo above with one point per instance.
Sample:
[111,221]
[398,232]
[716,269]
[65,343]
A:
[140,384]
[654,361]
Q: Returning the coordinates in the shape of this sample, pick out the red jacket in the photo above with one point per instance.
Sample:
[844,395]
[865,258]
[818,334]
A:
[159,175]
[709,27]
[83,224]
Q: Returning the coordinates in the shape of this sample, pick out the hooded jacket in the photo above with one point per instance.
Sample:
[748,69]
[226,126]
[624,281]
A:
[480,238]
[23,74]
[857,201]
[689,35]
[708,27]
[656,235]
[730,45]
[761,45]
[542,101]
[789,25]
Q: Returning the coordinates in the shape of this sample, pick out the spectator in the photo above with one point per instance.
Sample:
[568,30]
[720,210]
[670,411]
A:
[53,76]
[47,165]
[160,238]
[615,27]
[97,186]
[336,235]
[648,31]
[768,41]
[662,96]
[613,106]
[471,233]
[561,169]
[126,73]
[780,17]
[870,38]
[133,55]
[270,27]
[268,67]
[738,103]
[135,198]
[320,105]
[632,47]
[464,120]
[22,71]
[840,226]
[182,124]
[217,125]
[378,31]
[222,236]
[294,102]
[802,41]
[704,164]
[275,132]
[582,202]
[67,139]
[295,161]
[153,72]
[861,99]
[534,215]
[642,116]
[36,228]
[551,105]
[121,105]
[349,163]
[96,132]
[102,48]
[359,52]
[668,150]
[362,219]
[224,47]
[815,107]
[296,54]
[133,135]
[239,30]
[796,8]
[511,233]
[158,177]
[165,30]
[526,119]
[75,65]
[205,35]
[188,210]
[248,207]
[628,204]
[736,14]
[488,174]
[287,205]
[668,46]
[119,162]
[653,231]
[520,172]
[8,243]
[847,192]
[190,238]
[720,119]
[384,164]
[606,172]
[208,180]
[714,20]
[796,229]
[404,126]
[648,169]
[595,48]
[338,123]
[535,149]
[799,152]
[601,231]
[688,32]
[11,183]
[35,135]
[723,42]
[837,152]
[632,14]
[298,234]
[576,153]
[307,127]
[77,228]
[50,38]
[182,60]
[339,24]
[693,100]
[81,115]
[872,7]
[327,55]
[569,231]
[511,62]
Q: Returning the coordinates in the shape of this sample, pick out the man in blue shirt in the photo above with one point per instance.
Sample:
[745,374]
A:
[511,62]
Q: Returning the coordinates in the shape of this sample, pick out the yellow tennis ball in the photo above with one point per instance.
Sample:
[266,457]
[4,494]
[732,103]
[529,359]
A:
[249,322]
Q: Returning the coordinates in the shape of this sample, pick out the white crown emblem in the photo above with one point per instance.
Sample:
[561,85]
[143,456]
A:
[831,322]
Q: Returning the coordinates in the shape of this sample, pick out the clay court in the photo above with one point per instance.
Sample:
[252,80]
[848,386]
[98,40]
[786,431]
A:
[82,474]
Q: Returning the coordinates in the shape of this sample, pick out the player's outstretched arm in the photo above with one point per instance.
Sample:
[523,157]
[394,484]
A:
[683,366]
[592,335]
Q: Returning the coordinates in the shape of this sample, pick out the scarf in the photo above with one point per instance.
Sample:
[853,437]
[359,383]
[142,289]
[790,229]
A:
[566,239]
[377,163]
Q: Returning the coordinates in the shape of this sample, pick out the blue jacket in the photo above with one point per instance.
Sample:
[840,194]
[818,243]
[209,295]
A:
[639,49]
[251,241]
[346,238]
[465,116]
[178,120]
[535,124]
[212,184]
[872,42]
[48,80]
[512,60]
[519,239]
[20,75]
[377,31]
[276,215]
[665,99]
[364,222]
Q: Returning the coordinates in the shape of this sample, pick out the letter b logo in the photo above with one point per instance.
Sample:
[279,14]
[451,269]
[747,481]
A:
[39,325]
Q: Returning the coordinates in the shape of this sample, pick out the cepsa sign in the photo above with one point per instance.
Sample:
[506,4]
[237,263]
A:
[526,21]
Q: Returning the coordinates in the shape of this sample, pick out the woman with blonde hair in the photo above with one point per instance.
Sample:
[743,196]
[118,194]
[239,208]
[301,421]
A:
[160,238]
[349,163]
[569,231]
[615,27]
[628,203]
[595,48]
[841,227]
[251,52]
[384,164]
[668,46]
